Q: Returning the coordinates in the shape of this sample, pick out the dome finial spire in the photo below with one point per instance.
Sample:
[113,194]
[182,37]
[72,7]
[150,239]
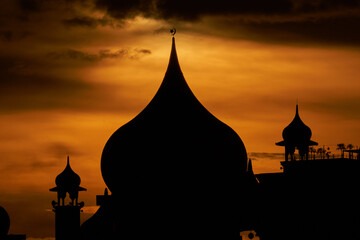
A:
[173,31]
[173,66]
[297,105]
[297,109]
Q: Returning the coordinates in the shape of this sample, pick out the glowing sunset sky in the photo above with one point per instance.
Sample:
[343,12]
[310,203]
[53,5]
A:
[73,71]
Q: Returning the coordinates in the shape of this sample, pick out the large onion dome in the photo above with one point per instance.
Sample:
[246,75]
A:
[173,142]
[176,162]
[4,223]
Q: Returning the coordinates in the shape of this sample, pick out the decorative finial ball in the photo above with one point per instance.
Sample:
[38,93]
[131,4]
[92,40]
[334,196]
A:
[172,31]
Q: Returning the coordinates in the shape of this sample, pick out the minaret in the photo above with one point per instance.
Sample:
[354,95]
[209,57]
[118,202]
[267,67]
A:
[67,216]
[297,136]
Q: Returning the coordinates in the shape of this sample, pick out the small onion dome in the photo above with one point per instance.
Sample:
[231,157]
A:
[297,133]
[68,178]
[4,222]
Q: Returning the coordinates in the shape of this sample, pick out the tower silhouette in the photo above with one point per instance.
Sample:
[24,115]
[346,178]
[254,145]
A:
[67,216]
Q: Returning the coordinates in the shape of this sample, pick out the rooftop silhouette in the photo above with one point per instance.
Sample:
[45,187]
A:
[311,199]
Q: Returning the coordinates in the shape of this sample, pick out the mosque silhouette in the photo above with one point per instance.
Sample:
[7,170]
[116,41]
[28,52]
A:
[175,171]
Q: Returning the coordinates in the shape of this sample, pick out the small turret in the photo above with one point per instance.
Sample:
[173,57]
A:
[297,135]
[68,182]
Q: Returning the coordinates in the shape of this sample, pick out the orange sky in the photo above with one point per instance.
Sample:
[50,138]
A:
[67,85]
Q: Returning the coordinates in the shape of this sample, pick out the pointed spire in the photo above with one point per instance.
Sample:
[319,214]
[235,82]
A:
[68,161]
[250,169]
[174,66]
[174,87]
[297,110]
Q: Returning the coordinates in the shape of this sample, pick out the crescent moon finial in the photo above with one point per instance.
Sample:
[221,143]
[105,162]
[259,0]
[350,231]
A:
[173,31]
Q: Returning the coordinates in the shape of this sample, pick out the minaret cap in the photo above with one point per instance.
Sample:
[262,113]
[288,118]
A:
[296,133]
[68,177]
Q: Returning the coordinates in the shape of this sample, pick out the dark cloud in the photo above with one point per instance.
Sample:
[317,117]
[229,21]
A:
[265,156]
[102,54]
[25,86]
[128,9]
[276,21]
[284,21]
[85,21]
[39,92]
[60,150]
[29,163]
[193,10]
[41,5]
[347,107]
[84,56]
[143,51]
[190,10]
[6,35]
[30,5]
[339,30]
[22,87]
[42,164]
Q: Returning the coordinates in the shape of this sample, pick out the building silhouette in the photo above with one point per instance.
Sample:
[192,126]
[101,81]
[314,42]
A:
[311,199]
[177,172]
[67,215]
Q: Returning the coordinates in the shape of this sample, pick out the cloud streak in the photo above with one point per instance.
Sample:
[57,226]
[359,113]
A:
[266,156]
[86,21]
[102,54]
